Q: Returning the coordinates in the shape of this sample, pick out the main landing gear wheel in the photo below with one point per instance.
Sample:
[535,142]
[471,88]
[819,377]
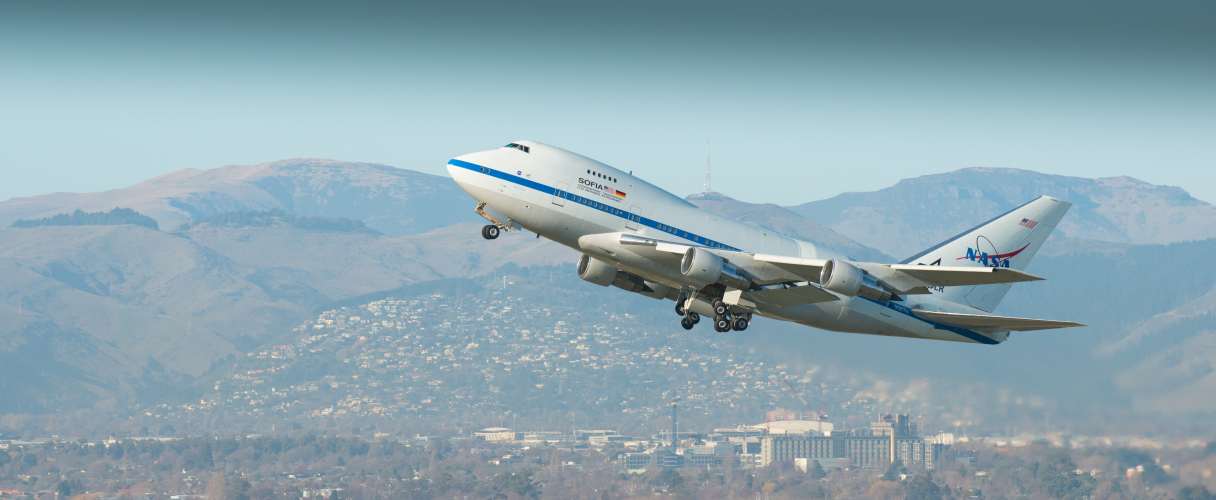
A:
[690,319]
[490,232]
[680,308]
[722,324]
[740,324]
[720,308]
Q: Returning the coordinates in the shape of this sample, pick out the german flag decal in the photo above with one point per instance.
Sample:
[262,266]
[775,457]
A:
[620,193]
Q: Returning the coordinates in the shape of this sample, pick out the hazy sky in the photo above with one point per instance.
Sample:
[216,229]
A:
[801,101]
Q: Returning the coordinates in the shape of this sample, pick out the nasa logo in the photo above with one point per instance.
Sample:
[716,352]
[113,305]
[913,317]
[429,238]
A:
[519,172]
[991,260]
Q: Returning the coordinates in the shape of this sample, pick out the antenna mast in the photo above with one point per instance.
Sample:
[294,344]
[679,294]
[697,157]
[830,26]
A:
[707,188]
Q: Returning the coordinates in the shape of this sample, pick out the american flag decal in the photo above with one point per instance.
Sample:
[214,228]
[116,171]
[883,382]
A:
[1028,223]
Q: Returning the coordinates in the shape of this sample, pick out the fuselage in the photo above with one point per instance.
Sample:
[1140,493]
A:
[570,199]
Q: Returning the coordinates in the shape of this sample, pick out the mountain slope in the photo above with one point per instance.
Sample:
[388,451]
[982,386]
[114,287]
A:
[917,213]
[105,315]
[99,308]
[390,200]
[785,221]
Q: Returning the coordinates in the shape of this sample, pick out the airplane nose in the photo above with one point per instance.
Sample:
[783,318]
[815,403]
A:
[458,168]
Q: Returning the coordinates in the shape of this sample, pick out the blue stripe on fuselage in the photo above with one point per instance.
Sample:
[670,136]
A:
[589,203]
[904,310]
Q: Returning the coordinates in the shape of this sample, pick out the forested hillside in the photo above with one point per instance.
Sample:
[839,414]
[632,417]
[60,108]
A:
[80,218]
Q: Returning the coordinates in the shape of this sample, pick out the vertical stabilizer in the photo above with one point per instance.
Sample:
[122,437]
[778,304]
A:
[1009,240]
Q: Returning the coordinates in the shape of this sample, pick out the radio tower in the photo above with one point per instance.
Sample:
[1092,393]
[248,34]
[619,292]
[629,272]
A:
[707,188]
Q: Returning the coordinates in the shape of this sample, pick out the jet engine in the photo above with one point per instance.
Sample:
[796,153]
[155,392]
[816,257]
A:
[596,271]
[846,279]
[702,265]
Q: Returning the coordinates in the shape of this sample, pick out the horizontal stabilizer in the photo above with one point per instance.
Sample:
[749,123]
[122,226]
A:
[964,276]
[982,322]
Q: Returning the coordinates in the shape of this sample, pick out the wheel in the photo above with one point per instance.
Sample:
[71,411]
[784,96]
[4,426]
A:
[720,308]
[686,323]
[740,324]
[680,307]
[721,324]
[490,232]
[696,318]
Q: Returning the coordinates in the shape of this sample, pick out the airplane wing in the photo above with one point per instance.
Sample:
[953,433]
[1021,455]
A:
[983,322]
[806,268]
[770,269]
[779,297]
[763,269]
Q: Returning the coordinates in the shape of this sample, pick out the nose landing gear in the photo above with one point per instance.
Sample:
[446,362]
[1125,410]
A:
[490,232]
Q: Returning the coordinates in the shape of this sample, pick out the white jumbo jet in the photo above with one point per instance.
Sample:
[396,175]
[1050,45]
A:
[643,239]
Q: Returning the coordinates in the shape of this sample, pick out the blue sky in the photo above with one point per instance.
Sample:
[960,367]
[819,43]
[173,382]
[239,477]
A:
[801,101]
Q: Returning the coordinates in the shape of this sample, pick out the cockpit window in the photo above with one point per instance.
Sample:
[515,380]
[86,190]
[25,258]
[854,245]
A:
[520,147]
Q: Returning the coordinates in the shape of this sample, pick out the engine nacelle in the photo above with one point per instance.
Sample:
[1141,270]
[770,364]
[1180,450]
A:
[846,279]
[702,265]
[602,274]
[596,271]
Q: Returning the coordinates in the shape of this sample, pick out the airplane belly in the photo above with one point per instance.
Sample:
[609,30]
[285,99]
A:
[560,224]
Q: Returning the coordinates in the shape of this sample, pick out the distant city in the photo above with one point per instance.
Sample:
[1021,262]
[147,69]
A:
[501,353]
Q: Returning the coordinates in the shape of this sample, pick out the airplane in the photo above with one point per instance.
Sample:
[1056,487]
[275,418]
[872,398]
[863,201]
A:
[640,238]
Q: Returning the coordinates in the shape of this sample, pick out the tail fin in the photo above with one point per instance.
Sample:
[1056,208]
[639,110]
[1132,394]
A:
[1009,240]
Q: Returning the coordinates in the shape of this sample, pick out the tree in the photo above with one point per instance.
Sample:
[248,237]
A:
[216,487]
[1057,475]
[886,490]
[816,471]
[922,487]
[81,218]
[69,489]
[668,478]
[1197,492]
[519,483]
[1153,475]
[892,473]
[167,430]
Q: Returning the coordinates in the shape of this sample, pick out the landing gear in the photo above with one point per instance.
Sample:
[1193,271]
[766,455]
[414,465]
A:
[680,307]
[722,324]
[490,232]
[689,320]
[740,323]
[720,308]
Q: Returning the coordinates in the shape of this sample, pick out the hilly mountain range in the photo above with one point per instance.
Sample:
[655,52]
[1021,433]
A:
[393,201]
[917,213]
[785,221]
[106,315]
